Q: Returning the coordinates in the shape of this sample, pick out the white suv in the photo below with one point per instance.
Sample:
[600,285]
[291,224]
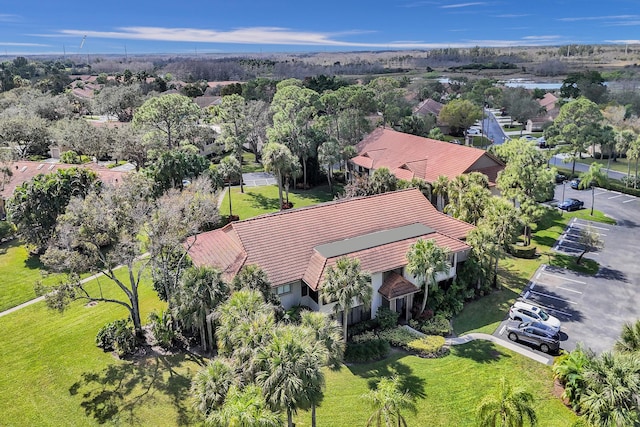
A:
[525,312]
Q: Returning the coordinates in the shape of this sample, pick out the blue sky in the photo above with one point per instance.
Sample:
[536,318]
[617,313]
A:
[142,26]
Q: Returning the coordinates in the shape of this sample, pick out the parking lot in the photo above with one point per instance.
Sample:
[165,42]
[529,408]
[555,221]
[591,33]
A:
[592,308]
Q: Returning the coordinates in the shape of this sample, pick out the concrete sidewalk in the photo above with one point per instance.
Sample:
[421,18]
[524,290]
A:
[464,339]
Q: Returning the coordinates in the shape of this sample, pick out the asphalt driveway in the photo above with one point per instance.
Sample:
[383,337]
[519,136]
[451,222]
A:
[593,308]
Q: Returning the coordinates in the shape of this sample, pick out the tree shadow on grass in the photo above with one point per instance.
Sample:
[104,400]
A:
[260,201]
[120,390]
[479,351]
[389,367]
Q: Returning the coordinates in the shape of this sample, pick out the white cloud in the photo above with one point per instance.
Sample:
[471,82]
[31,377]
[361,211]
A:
[509,16]
[458,5]
[23,44]
[7,17]
[597,18]
[281,36]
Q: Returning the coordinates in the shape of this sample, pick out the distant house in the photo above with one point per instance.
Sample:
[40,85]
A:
[23,171]
[409,156]
[295,248]
[428,107]
[549,106]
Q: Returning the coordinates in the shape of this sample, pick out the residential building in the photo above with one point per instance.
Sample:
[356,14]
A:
[23,171]
[550,110]
[296,247]
[409,156]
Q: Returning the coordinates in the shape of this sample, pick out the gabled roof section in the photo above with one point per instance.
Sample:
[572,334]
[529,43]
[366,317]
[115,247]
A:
[396,286]
[428,106]
[283,243]
[426,158]
[384,257]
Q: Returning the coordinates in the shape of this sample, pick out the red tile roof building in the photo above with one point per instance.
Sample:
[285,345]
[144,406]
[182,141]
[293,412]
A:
[23,171]
[295,248]
[409,156]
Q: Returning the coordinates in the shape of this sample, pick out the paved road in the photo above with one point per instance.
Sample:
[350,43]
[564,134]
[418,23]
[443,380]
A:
[558,160]
[256,179]
[492,128]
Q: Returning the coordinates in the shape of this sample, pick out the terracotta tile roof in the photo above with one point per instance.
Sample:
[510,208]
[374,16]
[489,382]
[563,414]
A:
[426,158]
[428,106]
[283,243]
[24,171]
[395,286]
[548,101]
[385,257]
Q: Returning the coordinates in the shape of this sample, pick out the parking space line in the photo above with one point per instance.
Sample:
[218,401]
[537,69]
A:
[630,200]
[593,226]
[603,192]
[553,297]
[569,290]
[502,330]
[564,313]
[616,192]
[615,197]
[566,278]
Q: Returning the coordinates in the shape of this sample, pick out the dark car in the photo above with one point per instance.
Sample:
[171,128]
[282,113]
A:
[571,205]
[560,178]
[538,335]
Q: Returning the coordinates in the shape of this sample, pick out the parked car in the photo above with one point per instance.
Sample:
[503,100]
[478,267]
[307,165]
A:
[571,205]
[542,143]
[560,178]
[529,137]
[525,312]
[474,131]
[534,333]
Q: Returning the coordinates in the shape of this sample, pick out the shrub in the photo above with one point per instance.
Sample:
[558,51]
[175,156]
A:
[387,318]
[117,336]
[360,327]
[364,337]
[398,337]
[6,230]
[438,325]
[70,157]
[163,328]
[528,252]
[429,346]
[366,351]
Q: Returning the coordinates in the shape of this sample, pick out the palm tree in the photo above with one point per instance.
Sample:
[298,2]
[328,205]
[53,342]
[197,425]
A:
[290,372]
[253,278]
[569,371]
[244,408]
[245,322]
[510,408]
[201,292]
[278,159]
[344,283]
[613,387]
[629,341]
[503,223]
[388,402]
[594,176]
[328,332]
[230,169]
[425,260]
[211,384]
[440,190]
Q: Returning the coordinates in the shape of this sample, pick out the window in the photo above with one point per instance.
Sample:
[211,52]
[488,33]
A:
[283,289]
[304,290]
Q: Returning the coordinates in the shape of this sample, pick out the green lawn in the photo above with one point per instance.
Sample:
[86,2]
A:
[260,200]
[54,375]
[620,165]
[18,273]
[249,163]
[485,314]
[448,389]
